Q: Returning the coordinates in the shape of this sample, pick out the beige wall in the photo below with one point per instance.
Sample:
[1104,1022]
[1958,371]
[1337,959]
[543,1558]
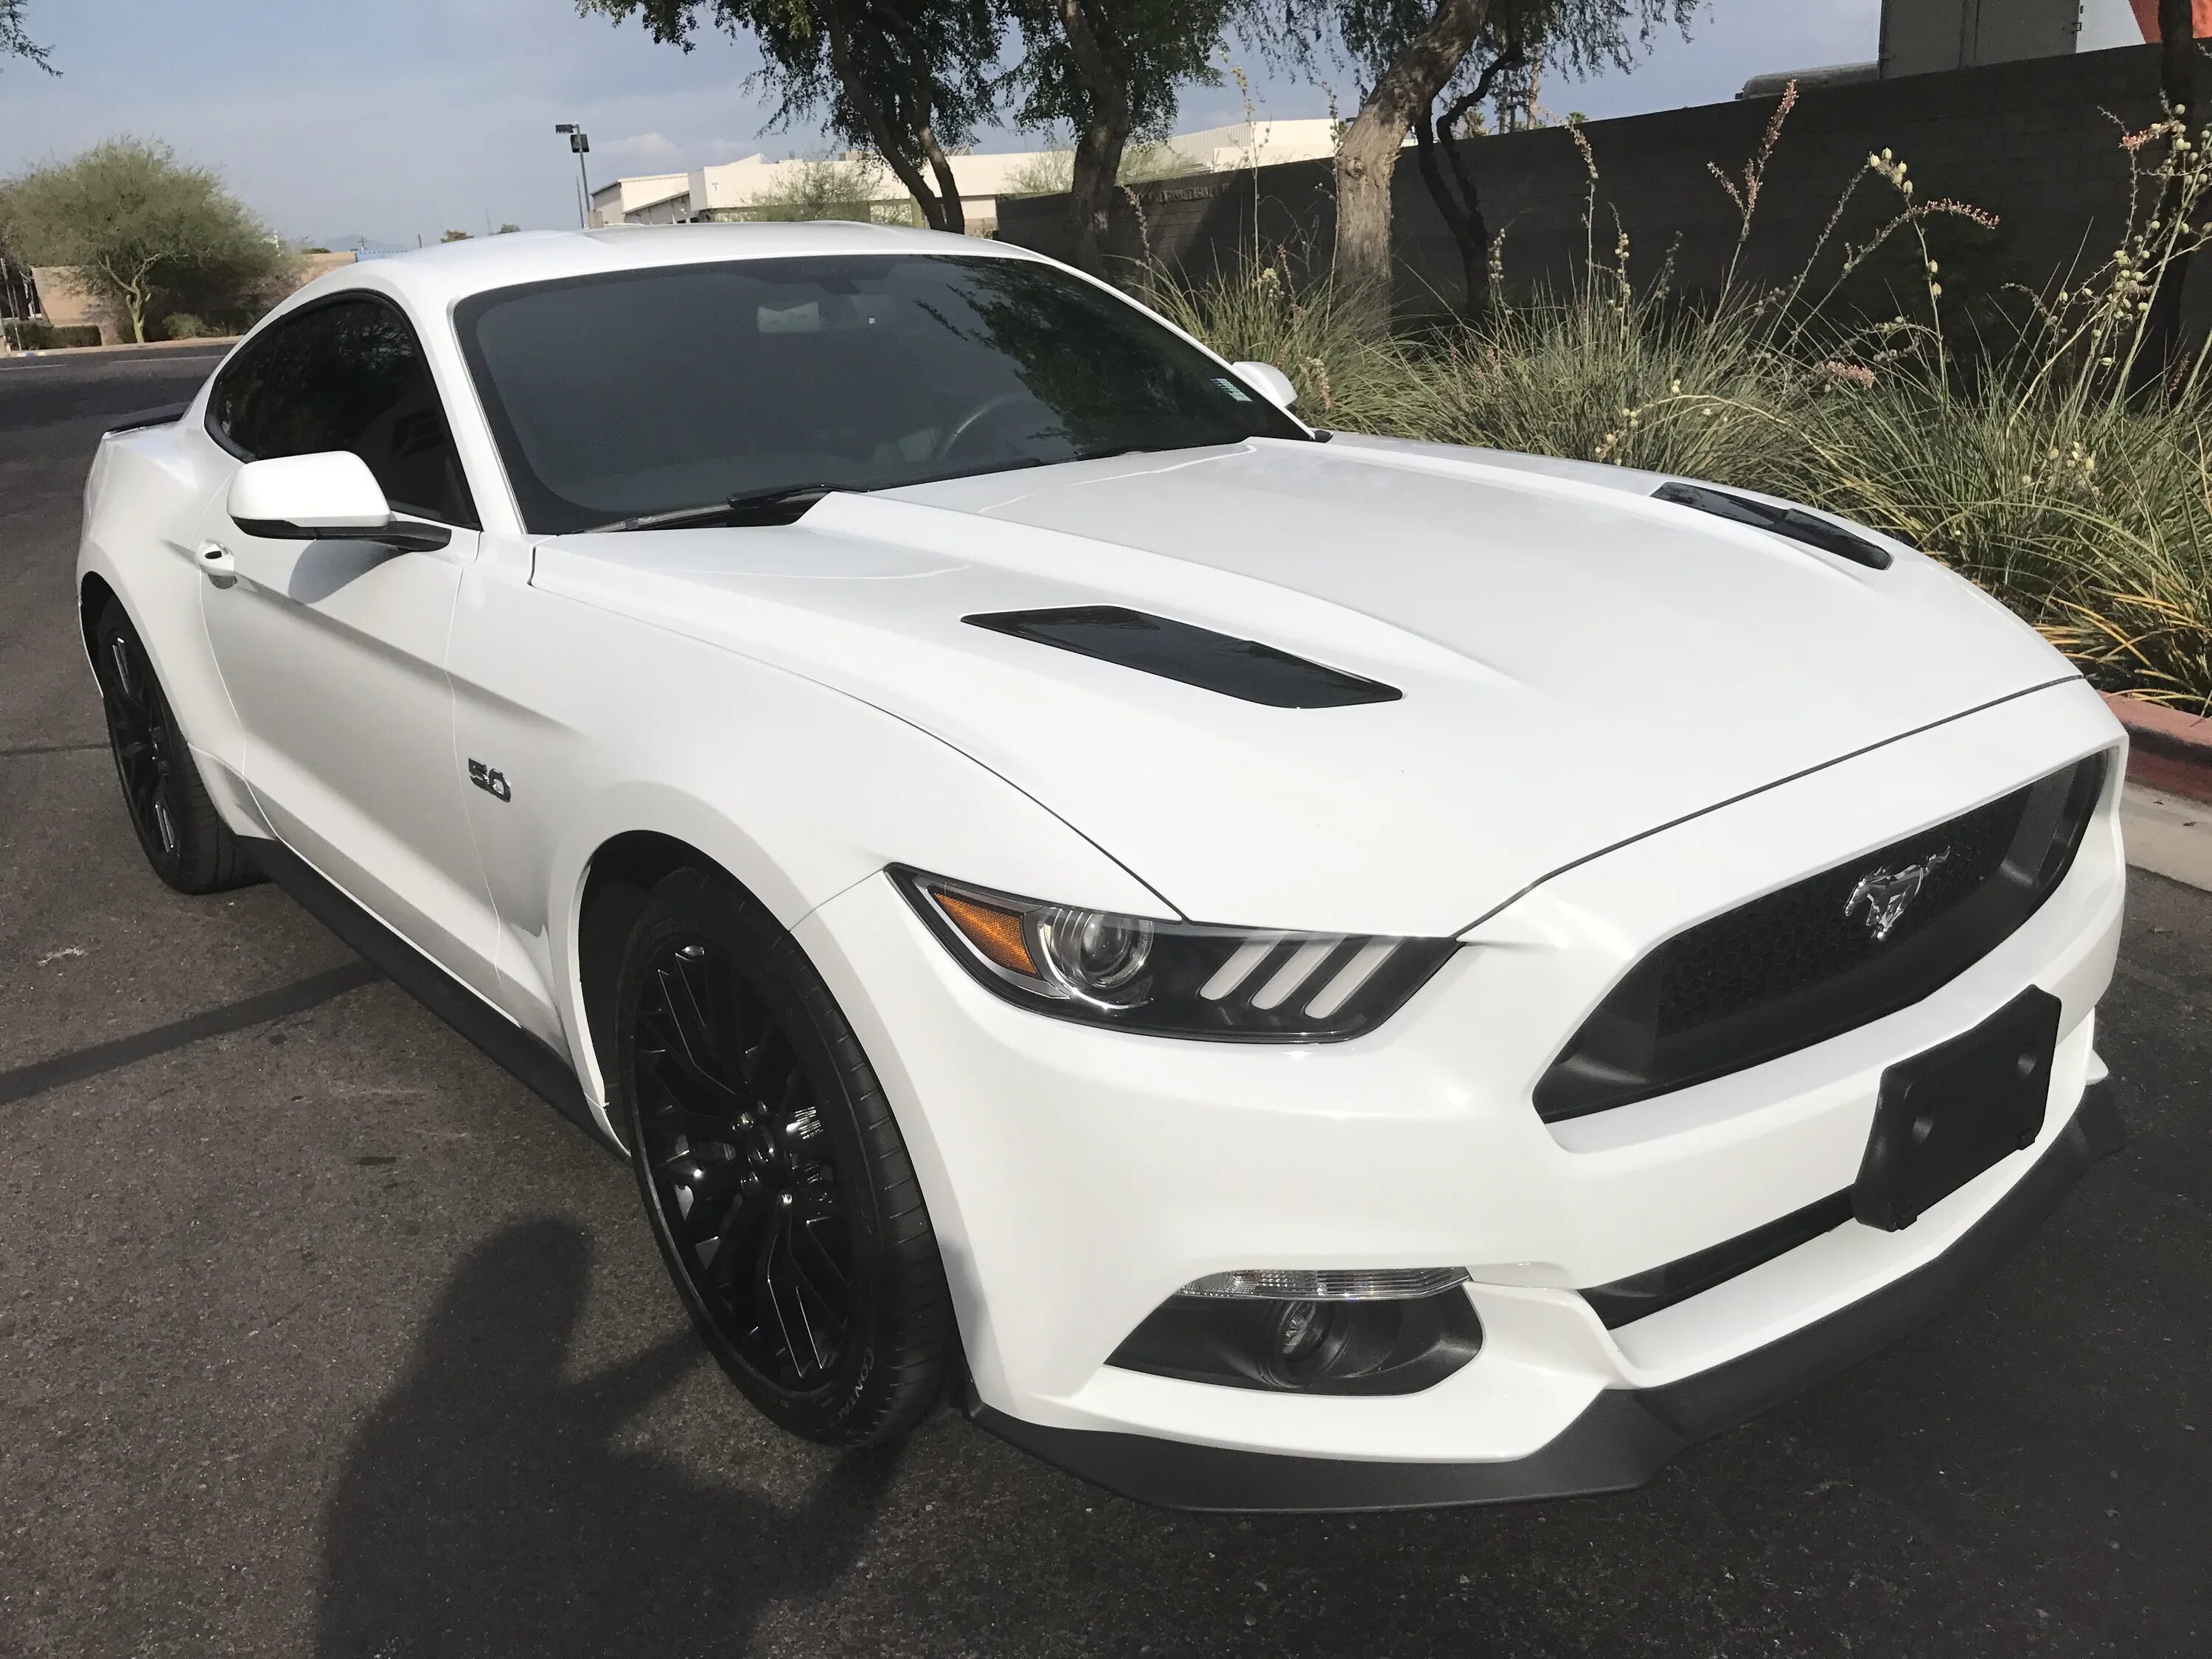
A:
[68,301]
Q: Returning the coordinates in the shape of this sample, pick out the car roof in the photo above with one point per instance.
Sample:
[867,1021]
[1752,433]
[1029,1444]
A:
[436,276]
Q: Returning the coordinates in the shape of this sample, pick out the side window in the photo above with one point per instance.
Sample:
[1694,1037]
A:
[347,374]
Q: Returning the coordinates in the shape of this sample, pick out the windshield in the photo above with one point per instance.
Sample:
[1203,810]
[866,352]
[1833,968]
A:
[654,391]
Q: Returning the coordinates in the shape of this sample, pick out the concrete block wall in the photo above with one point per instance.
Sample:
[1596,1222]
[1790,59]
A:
[2035,142]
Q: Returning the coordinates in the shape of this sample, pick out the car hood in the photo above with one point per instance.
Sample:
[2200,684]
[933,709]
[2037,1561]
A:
[1580,664]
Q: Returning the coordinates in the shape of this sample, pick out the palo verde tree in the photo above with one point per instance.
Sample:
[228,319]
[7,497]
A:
[1110,70]
[1577,36]
[139,224]
[907,79]
[16,40]
[1416,52]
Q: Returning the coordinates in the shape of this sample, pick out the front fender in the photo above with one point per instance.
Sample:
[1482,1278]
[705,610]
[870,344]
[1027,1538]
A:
[604,726]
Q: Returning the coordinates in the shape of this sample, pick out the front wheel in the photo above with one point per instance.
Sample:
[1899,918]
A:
[777,1185]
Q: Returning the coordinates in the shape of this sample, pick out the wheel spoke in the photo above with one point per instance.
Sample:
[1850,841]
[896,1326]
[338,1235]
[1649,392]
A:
[800,1316]
[738,1244]
[688,1014]
[814,1260]
[689,1090]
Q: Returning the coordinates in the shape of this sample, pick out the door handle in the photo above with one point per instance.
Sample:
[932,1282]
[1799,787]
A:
[216,561]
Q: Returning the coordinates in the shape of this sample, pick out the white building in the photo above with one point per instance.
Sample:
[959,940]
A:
[730,189]
[649,198]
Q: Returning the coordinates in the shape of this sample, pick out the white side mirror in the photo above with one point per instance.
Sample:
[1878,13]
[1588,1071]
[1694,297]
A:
[1269,382]
[331,497]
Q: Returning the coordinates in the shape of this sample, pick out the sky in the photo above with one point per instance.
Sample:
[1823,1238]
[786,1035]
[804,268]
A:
[336,119]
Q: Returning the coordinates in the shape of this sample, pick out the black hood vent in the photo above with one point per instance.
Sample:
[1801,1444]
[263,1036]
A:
[1798,525]
[1195,656]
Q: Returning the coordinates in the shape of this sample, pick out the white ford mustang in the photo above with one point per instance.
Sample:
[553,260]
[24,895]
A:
[1283,971]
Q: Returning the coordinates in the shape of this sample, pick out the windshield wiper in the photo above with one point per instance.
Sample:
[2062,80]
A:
[774,505]
[762,506]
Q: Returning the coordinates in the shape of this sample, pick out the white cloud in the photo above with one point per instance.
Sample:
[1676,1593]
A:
[648,149]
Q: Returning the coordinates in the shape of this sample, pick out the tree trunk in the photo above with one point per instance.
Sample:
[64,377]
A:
[1368,156]
[1098,148]
[135,290]
[895,154]
[1462,211]
[953,211]
[2161,337]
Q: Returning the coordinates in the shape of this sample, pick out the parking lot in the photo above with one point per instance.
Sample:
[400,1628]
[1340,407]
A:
[319,1334]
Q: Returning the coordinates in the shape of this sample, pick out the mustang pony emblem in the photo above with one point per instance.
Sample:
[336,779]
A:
[1886,893]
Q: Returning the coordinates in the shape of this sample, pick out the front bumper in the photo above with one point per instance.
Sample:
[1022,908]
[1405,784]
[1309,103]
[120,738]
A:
[1625,1435]
[1076,1177]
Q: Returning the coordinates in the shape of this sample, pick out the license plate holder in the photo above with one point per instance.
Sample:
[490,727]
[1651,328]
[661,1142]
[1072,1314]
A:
[1945,1115]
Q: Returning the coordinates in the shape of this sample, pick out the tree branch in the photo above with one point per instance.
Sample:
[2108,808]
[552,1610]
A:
[871,112]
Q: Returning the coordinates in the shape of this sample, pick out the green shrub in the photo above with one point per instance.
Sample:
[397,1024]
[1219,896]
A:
[30,334]
[183,326]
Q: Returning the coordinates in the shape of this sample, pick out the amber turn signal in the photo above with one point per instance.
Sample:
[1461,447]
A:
[997,933]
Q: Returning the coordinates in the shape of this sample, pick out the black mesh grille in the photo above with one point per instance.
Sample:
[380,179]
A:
[1802,935]
[1801,964]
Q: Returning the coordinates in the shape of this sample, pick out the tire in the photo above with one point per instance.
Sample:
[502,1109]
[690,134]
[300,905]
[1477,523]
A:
[774,1179]
[185,839]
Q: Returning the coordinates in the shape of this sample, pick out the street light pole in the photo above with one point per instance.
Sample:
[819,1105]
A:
[579,143]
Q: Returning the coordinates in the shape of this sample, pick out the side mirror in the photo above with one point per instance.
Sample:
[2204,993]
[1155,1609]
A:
[328,497]
[1269,382]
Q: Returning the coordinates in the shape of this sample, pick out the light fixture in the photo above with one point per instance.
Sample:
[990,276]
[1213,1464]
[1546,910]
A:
[1173,978]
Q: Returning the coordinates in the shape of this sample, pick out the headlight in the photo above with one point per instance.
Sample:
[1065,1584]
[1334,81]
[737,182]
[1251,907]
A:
[1173,978]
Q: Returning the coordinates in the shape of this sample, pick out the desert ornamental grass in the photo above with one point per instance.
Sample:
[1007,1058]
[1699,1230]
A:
[2013,449]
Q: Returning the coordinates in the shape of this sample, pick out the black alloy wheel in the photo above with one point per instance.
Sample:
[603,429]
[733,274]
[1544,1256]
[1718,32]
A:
[779,1190]
[743,1177]
[185,839]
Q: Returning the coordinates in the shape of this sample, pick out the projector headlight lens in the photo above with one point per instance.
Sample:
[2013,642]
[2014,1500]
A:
[1173,978]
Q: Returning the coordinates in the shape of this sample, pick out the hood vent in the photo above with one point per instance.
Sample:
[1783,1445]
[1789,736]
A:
[1195,656]
[1799,526]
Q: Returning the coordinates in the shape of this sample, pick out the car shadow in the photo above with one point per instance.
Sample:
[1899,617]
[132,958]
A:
[487,1506]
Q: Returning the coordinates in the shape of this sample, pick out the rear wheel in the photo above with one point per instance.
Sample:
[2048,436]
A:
[185,839]
[778,1187]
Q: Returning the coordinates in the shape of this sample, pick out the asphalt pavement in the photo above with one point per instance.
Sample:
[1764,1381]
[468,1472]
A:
[320,1335]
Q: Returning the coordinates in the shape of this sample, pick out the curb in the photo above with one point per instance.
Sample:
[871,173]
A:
[2167,749]
[53,353]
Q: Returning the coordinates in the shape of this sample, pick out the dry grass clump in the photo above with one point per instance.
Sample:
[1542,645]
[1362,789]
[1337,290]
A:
[2040,467]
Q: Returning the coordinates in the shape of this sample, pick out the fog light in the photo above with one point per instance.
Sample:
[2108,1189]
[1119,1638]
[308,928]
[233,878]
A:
[1299,1330]
[1393,1335]
[1353,1284]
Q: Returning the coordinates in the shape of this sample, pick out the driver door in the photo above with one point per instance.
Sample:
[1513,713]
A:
[333,651]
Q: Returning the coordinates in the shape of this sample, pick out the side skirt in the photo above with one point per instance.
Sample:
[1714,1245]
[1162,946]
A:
[531,1061]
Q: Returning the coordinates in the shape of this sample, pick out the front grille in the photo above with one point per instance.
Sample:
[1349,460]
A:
[1802,964]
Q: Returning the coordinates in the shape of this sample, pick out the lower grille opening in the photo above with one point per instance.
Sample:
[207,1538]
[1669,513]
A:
[1826,954]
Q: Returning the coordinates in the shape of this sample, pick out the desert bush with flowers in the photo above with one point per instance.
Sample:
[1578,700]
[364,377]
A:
[2036,461]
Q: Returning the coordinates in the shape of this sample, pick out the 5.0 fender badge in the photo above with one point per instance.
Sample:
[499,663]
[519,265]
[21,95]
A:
[490,780]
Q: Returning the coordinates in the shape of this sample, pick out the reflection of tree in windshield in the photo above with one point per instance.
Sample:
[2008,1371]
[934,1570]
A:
[1112,379]
[639,393]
